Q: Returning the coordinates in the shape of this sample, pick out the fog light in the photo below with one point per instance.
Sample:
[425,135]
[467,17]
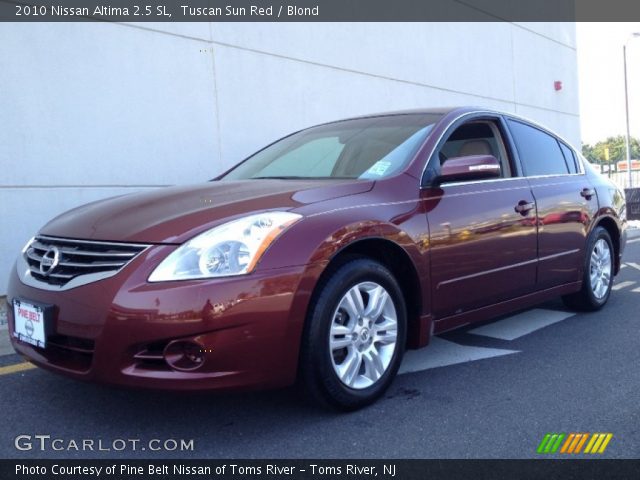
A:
[183,355]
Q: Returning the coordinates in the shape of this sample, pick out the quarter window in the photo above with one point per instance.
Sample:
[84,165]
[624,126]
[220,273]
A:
[569,157]
[539,152]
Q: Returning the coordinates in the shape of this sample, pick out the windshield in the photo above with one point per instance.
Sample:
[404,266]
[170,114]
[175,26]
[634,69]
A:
[372,148]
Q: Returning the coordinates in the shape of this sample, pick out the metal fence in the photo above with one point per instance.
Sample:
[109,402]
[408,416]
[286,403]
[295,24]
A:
[622,178]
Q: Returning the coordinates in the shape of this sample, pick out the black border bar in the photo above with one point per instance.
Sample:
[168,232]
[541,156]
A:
[331,469]
[319,10]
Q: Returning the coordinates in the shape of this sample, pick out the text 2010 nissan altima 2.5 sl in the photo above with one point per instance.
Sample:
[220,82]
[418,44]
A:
[320,258]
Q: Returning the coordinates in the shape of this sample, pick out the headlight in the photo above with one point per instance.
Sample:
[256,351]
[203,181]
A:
[233,248]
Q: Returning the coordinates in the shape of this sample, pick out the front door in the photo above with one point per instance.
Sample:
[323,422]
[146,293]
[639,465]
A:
[483,235]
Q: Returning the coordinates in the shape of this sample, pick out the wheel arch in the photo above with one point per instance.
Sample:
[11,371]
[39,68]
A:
[401,264]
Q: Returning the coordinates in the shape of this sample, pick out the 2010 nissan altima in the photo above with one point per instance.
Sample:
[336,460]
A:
[320,258]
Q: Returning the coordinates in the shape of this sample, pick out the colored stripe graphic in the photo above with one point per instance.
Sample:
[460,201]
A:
[573,443]
[565,447]
[577,443]
[581,442]
[550,443]
[557,444]
[543,443]
[598,443]
[590,444]
[604,445]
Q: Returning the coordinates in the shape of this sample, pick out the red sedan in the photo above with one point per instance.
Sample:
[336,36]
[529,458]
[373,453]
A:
[320,258]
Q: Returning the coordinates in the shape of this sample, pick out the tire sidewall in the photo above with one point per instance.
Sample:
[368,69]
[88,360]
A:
[332,292]
[598,234]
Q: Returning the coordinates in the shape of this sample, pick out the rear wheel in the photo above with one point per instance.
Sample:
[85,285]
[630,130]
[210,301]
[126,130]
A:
[354,337]
[598,274]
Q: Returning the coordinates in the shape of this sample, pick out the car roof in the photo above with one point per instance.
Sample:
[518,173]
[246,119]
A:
[457,111]
[460,111]
[426,111]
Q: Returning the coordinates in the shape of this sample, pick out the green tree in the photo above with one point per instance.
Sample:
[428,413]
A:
[616,147]
[589,154]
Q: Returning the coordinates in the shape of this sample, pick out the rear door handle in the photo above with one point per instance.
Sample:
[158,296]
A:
[588,193]
[523,207]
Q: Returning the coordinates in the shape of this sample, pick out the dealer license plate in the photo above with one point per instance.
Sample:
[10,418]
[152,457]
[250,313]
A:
[29,321]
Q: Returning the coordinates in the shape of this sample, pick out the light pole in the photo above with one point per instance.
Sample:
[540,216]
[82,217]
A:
[626,102]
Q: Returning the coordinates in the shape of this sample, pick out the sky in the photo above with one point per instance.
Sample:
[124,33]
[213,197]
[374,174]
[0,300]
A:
[601,79]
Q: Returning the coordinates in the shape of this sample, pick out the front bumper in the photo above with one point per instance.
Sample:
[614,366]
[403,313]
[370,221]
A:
[114,331]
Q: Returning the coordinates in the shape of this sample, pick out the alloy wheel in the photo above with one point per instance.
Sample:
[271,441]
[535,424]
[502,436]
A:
[600,269]
[363,335]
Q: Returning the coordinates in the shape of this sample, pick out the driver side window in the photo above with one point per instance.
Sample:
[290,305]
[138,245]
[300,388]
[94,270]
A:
[477,138]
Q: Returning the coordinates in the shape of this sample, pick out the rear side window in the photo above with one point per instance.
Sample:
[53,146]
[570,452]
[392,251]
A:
[539,152]
[569,157]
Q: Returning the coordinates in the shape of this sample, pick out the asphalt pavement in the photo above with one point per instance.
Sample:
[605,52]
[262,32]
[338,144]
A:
[490,391]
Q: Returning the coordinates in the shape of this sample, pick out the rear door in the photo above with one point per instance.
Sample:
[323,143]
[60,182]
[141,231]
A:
[482,233]
[565,199]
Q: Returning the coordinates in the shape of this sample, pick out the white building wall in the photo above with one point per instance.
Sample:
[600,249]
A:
[90,110]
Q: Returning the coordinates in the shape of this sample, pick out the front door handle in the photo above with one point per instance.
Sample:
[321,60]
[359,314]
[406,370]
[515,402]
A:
[523,207]
[588,193]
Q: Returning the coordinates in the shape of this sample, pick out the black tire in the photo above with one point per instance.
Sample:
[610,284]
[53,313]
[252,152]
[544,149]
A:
[317,374]
[585,299]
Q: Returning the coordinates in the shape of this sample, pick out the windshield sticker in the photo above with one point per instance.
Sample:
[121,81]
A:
[379,168]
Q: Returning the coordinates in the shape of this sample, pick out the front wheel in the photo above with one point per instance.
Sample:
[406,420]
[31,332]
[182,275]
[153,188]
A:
[355,335]
[598,274]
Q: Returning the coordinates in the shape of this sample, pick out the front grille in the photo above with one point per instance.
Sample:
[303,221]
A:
[68,261]
[74,344]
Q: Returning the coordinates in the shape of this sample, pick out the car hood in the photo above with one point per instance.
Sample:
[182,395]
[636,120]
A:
[175,214]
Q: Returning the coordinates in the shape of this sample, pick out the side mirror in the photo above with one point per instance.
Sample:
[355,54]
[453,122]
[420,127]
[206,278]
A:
[472,167]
